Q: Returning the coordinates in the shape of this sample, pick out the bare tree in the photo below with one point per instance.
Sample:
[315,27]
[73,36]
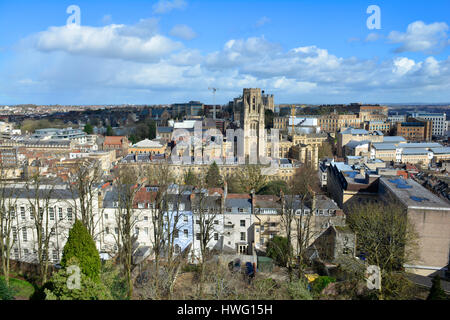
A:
[83,185]
[8,226]
[205,209]
[127,184]
[39,197]
[251,178]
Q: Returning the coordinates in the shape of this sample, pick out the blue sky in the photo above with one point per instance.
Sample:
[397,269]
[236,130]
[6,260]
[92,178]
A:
[172,50]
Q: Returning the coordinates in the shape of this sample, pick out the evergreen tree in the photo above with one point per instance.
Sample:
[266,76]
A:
[213,177]
[88,128]
[436,292]
[109,131]
[152,130]
[277,249]
[5,292]
[81,246]
[190,179]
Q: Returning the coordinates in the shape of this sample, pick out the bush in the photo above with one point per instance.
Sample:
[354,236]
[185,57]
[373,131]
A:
[321,283]
[57,288]
[81,246]
[191,268]
[5,292]
[436,292]
[298,290]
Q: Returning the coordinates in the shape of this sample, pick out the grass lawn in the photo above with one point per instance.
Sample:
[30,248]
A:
[22,289]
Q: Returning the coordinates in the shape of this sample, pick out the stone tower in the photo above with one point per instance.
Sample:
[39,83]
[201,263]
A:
[253,124]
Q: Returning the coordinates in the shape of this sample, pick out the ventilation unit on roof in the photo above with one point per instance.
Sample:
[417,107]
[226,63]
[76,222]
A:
[418,199]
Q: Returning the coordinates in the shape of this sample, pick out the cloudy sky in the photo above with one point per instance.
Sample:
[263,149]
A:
[167,51]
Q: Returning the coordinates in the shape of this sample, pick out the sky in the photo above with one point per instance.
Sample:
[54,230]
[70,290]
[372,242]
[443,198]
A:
[172,51]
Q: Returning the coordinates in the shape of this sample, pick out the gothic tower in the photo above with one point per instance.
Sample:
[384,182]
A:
[253,124]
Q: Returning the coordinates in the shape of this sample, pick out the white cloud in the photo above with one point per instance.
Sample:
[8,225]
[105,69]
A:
[165,6]
[136,64]
[371,37]
[136,43]
[421,37]
[262,21]
[183,32]
[401,66]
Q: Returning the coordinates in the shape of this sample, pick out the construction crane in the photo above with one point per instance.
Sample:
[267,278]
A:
[293,114]
[214,90]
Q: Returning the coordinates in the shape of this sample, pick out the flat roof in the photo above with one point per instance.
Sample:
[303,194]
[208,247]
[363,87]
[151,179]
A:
[413,195]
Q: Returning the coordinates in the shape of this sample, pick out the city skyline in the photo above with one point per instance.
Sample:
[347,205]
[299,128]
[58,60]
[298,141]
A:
[162,52]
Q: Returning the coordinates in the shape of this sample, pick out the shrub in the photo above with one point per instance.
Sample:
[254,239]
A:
[321,283]
[5,291]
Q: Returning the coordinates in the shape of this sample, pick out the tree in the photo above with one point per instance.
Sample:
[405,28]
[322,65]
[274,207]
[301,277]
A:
[274,188]
[301,192]
[277,249]
[325,150]
[190,178]
[436,292]
[251,178]
[81,246]
[5,291]
[83,185]
[40,197]
[57,288]
[9,227]
[152,130]
[213,177]
[88,128]
[384,234]
[127,183]
[109,131]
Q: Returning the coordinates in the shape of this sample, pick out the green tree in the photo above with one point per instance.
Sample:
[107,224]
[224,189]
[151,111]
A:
[152,130]
[274,187]
[321,283]
[109,131]
[81,246]
[436,292]
[190,178]
[213,177]
[251,178]
[5,291]
[88,128]
[57,288]
[277,249]
[133,139]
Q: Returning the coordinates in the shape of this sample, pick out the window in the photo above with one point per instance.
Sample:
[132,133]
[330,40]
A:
[262,228]
[197,221]
[51,213]
[22,213]
[69,214]
[216,236]
[175,234]
[136,230]
[145,218]
[60,213]
[16,254]
[216,221]
[186,218]
[197,236]
[107,230]
[14,233]
[26,253]
[186,233]
[242,223]
[52,231]
[146,231]
[116,230]
[242,236]
[24,234]
[106,216]
[41,212]
[55,256]
[141,205]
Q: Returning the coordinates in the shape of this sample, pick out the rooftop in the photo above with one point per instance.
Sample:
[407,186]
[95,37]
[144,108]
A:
[413,195]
